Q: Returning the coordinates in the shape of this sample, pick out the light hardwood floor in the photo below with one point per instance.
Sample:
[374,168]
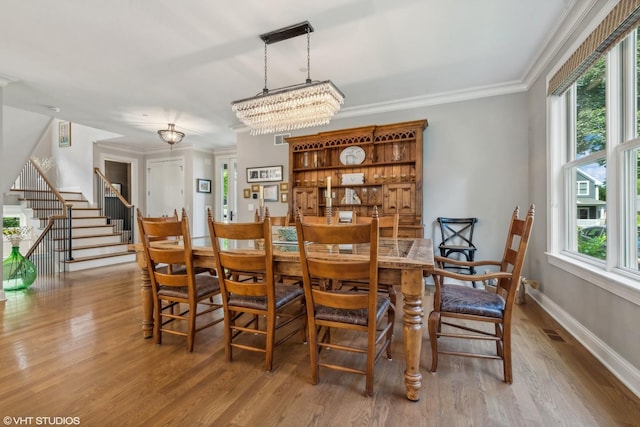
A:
[74,348]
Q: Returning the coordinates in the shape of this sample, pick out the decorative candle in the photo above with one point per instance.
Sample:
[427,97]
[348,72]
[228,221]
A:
[261,194]
[329,187]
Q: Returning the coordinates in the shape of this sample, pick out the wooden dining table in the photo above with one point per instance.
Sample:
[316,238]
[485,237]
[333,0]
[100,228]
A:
[400,261]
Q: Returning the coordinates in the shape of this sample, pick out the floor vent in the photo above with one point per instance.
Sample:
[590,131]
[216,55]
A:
[553,335]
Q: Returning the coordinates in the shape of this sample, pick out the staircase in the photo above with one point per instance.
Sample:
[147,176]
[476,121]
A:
[94,242]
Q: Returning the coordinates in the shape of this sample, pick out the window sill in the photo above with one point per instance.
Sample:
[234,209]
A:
[617,281]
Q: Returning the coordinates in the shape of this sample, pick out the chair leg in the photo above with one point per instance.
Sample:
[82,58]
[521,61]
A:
[313,352]
[228,334]
[271,334]
[506,358]
[157,324]
[434,327]
[191,330]
[371,360]
[391,313]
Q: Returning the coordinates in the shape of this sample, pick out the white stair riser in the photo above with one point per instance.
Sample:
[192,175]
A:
[100,262]
[95,240]
[102,250]
[71,196]
[84,213]
[86,222]
[91,231]
[79,203]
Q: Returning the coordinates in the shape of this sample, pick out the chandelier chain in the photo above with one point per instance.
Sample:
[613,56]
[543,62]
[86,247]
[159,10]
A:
[265,90]
[308,56]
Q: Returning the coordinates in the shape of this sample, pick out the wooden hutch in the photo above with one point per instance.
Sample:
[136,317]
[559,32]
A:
[369,166]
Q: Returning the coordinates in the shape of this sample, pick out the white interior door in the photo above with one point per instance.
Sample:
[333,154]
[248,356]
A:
[165,187]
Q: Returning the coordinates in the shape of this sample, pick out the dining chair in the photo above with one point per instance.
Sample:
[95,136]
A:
[457,241]
[324,252]
[390,224]
[168,243]
[246,302]
[470,307]
[311,219]
[179,268]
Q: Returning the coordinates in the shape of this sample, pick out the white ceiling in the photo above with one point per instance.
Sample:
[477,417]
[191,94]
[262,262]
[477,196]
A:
[132,66]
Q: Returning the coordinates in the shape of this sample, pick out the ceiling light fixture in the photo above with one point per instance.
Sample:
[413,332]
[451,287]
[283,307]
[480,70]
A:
[171,136]
[312,103]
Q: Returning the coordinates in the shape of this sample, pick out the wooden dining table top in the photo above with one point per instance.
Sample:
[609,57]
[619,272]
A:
[400,253]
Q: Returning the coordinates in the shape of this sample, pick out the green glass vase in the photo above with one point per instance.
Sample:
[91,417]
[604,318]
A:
[18,272]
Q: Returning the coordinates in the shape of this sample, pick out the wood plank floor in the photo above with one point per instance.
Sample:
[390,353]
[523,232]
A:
[73,348]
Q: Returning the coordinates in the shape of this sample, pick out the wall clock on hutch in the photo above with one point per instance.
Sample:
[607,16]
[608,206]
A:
[369,166]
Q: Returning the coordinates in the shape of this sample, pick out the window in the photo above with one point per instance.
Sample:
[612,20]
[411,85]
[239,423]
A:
[597,143]
[583,188]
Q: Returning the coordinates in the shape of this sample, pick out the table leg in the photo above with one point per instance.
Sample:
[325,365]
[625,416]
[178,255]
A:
[147,299]
[412,290]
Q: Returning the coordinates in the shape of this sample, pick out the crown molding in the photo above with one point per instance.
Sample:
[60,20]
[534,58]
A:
[431,100]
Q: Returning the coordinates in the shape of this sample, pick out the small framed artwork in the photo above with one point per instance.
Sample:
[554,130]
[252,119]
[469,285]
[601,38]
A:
[203,185]
[284,197]
[246,193]
[264,174]
[64,134]
[255,188]
[270,193]
[284,186]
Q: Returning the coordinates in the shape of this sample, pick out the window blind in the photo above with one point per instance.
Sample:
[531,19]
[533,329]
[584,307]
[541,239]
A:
[624,17]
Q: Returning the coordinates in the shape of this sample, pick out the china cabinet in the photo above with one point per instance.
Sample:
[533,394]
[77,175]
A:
[366,167]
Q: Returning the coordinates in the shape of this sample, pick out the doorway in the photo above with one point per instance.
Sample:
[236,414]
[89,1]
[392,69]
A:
[165,186]
[226,209]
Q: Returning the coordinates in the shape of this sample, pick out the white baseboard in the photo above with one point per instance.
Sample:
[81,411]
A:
[628,374]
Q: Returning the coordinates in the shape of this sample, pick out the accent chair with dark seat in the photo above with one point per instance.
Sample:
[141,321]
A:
[457,242]
[466,308]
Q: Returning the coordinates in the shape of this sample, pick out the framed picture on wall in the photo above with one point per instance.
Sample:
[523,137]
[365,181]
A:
[64,134]
[203,186]
[246,193]
[270,193]
[264,174]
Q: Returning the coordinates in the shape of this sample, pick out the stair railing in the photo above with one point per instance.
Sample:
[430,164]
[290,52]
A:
[47,204]
[115,207]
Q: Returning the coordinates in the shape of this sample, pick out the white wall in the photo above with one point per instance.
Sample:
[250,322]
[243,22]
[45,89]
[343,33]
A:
[203,168]
[74,164]
[475,163]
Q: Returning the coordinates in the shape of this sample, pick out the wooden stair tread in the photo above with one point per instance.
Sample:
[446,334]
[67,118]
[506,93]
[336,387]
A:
[97,245]
[89,258]
[88,237]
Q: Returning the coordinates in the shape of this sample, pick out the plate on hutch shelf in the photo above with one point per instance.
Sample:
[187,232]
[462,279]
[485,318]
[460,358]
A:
[352,156]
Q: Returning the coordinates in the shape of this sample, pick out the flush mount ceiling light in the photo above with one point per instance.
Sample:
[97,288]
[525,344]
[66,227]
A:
[307,104]
[171,136]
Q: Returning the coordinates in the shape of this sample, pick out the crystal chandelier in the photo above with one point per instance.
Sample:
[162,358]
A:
[171,136]
[312,103]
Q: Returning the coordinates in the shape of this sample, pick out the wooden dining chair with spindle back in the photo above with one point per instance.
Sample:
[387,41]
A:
[178,292]
[389,225]
[247,301]
[370,313]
